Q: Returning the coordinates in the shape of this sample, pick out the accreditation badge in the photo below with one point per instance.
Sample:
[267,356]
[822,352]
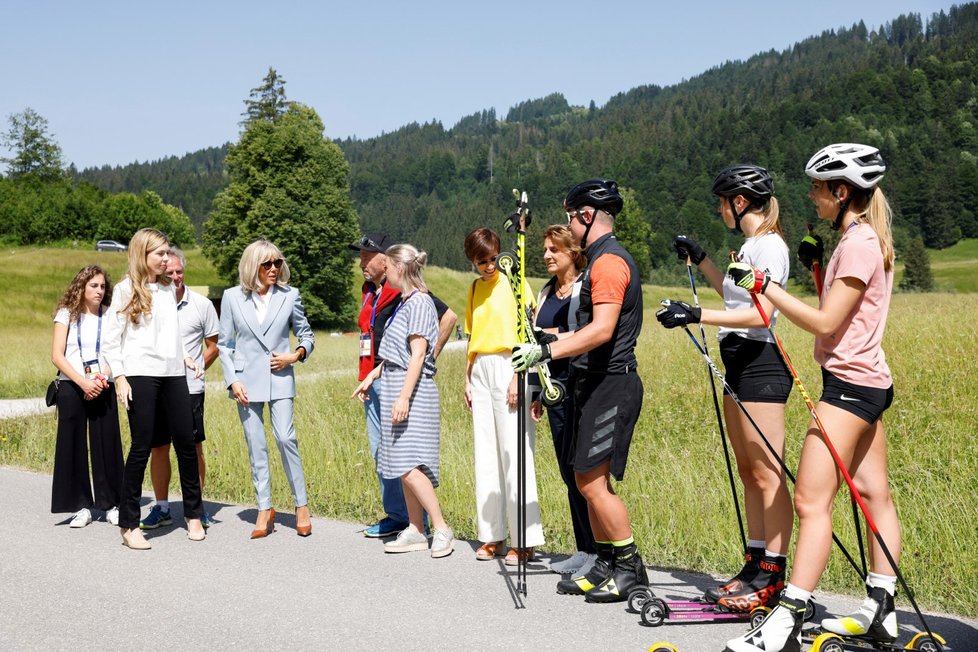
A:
[92,369]
[366,344]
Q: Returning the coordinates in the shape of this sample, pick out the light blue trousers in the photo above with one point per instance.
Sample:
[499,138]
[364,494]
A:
[252,419]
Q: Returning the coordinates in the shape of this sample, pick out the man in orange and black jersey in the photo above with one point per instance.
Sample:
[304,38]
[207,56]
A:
[607,390]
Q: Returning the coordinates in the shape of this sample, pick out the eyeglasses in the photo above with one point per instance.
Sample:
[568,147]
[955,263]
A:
[577,214]
[267,265]
[367,242]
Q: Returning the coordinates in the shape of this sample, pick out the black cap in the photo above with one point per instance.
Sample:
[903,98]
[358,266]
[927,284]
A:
[378,242]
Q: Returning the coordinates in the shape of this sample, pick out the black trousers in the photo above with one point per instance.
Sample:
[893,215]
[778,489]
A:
[563,436]
[78,422]
[165,401]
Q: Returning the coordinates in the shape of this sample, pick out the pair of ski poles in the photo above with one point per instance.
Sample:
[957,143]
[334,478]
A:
[853,491]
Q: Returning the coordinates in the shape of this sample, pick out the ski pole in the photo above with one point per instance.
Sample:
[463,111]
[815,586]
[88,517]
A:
[716,408]
[777,456]
[853,491]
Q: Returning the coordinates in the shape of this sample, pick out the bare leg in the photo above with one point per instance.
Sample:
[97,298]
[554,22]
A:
[419,494]
[604,505]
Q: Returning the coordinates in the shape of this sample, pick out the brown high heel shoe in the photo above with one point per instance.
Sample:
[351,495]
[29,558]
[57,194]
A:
[302,530]
[268,529]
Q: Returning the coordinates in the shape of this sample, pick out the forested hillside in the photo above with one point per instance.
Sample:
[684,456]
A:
[908,87]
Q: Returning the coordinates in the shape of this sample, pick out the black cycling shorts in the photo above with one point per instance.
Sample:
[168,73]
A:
[606,408]
[867,403]
[161,433]
[754,370]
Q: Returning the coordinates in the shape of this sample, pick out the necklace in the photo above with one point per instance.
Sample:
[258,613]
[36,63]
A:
[561,292]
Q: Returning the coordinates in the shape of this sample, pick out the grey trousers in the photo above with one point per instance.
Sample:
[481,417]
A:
[283,427]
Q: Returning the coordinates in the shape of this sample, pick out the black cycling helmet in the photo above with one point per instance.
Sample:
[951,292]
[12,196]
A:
[751,181]
[598,193]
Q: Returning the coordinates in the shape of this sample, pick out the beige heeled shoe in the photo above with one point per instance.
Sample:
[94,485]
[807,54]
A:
[134,539]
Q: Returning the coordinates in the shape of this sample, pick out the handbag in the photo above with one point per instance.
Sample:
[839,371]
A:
[51,398]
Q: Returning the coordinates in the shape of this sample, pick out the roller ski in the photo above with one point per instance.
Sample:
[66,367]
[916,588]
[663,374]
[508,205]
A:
[872,627]
[656,611]
[514,268]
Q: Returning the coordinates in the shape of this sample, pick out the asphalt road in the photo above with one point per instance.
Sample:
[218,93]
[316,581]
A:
[65,589]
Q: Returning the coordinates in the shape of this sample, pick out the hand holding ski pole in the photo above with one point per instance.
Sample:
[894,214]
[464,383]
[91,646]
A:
[687,248]
[811,250]
[526,356]
[748,277]
[677,313]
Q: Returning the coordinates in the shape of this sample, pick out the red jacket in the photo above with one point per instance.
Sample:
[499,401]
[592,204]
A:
[375,307]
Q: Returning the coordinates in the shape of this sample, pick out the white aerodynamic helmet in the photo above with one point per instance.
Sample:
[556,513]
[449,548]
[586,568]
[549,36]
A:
[860,165]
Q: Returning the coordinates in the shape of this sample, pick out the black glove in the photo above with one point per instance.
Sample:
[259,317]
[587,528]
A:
[811,250]
[543,337]
[688,248]
[677,313]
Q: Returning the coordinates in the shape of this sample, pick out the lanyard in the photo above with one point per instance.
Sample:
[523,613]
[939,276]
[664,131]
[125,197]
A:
[394,314]
[373,310]
[98,338]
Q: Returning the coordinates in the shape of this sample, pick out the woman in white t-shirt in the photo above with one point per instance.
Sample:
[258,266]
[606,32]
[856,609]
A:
[857,388]
[86,404]
[145,351]
[755,372]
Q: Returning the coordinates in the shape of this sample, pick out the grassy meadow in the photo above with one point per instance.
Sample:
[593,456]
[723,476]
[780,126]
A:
[675,485]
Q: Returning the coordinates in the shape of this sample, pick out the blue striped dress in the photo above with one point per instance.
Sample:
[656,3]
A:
[414,442]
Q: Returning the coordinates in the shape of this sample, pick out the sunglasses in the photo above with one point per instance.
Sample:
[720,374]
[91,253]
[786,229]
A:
[367,242]
[485,261]
[267,265]
[578,213]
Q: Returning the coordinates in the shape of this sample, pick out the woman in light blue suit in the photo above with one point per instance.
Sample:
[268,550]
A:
[256,318]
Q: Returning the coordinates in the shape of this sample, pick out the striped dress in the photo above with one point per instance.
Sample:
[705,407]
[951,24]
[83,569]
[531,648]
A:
[414,442]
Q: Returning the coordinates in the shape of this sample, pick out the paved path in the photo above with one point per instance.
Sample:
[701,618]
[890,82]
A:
[65,589]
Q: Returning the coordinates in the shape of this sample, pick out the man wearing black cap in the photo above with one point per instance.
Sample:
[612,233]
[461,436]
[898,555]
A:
[377,305]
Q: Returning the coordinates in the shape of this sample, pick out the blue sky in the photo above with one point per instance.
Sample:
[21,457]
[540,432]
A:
[125,81]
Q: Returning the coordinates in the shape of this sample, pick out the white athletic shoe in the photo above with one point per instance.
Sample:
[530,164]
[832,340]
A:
[409,540]
[442,543]
[570,565]
[780,631]
[112,516]
[81,518]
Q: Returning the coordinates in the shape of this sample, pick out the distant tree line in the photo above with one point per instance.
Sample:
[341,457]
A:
[909,87]
[40,202]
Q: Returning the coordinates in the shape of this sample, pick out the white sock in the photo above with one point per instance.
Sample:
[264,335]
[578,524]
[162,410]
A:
[164,505]
[793,592]
[772,555]
[879,581]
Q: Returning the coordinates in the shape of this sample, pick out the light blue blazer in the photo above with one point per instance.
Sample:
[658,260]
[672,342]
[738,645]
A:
[245,347]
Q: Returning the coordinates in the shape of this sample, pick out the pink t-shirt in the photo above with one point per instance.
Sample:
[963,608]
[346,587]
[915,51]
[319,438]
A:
[854,352]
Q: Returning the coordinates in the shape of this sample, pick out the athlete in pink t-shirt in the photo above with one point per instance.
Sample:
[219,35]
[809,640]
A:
[857,389]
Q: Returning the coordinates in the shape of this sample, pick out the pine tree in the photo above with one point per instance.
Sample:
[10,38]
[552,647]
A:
[267,101]
[917,276]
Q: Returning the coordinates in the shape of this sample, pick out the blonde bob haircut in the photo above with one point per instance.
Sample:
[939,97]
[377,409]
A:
[142,243]
[251,259]
[411,261]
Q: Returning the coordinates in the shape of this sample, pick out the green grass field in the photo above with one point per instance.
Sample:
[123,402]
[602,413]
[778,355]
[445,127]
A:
[955,269]
[675,486]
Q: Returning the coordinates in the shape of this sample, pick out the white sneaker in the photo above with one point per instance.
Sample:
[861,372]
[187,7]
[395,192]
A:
[81,518]
[570,565]
[409,540]
[112,516]
[442,543]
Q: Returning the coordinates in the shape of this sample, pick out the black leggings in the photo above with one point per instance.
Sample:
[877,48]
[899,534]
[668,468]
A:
[78,422]
[170,397]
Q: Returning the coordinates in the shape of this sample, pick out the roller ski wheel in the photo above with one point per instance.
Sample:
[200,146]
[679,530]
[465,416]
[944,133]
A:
[637,598]
[654,612]
[662,646]
[925,643]
[828,643]
[758,615]
[554,394]
[506,263]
